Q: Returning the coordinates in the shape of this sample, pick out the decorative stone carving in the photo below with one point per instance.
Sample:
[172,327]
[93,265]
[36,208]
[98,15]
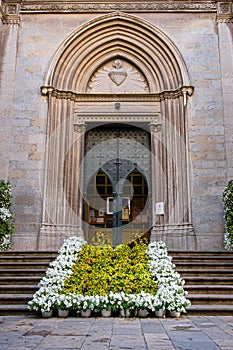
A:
[11,14]
[118,76]
[225,12]
[124,6]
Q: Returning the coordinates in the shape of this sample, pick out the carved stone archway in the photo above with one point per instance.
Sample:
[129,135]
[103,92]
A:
[116,68]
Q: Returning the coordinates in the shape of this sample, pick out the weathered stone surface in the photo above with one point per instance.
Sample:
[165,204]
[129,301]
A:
[25,56]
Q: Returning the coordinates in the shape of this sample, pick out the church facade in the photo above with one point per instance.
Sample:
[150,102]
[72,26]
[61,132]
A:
[116,120]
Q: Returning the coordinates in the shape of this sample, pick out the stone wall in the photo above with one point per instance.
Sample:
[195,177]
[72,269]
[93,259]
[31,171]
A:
[28,44]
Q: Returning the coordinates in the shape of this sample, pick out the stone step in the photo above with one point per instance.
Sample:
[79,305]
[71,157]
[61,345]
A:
[211,299]
[205,272]
[22,272]
[24,265]
[205,265]
[207,280]
[18,289]
[210,310]
[205,260]
[15,298]
[15,309]
[20,280]
[209,289]
[200,253]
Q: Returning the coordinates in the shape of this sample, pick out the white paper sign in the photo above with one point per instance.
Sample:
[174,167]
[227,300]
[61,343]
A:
[159,208]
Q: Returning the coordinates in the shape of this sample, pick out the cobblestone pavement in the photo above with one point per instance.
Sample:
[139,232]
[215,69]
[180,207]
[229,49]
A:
[186,333]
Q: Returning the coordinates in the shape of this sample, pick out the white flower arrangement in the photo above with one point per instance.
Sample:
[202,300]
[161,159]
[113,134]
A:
[53,282]
[5,214]
[170,294]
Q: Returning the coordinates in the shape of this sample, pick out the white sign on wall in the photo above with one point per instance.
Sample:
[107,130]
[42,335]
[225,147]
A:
[159,208]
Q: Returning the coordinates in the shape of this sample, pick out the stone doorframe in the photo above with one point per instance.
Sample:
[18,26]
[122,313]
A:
[161,104]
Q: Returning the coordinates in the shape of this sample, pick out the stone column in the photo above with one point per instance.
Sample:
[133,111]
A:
[157,175]
[62,203]
[79,128]
[225,34]
[170,173]
[10,21]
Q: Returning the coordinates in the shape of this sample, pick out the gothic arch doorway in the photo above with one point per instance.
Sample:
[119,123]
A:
[118,194]
[133,74]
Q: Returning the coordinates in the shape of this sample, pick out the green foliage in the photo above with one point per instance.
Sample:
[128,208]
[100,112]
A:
[6,221]
[228,214]
[100,270]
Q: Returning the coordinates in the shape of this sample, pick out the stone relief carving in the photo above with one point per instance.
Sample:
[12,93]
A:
[118,76]
[129,7]
[225,12]
[11,14]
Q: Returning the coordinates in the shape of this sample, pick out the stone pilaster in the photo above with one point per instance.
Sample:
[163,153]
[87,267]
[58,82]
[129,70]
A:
[62,189]
[10,20]
[171,174]
[225,34]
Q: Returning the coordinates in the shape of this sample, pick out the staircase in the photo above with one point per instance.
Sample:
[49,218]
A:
[209,281]
[208,277]
[20,273]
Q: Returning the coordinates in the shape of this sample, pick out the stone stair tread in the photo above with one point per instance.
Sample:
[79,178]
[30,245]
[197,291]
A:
[221,270]
[207,286]
[204,264]
[210,296]
[13,296]
[8,279]
[218,307]
[18,286]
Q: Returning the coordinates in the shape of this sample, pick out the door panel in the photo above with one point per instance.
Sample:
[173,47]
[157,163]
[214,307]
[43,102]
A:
[117,199]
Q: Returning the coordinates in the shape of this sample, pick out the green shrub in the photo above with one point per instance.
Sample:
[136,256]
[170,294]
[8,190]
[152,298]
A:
[228,214]
[6,221]
[100,270]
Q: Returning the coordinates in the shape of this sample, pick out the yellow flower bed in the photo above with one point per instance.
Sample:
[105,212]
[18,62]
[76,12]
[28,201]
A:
[100,270]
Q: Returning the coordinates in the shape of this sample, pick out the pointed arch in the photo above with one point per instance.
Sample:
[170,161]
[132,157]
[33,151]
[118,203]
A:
[162,105]
[117,35]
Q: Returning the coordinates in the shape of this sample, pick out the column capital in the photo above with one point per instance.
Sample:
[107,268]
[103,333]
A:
[11,12]
[80,127]
[224,11]
[155,126]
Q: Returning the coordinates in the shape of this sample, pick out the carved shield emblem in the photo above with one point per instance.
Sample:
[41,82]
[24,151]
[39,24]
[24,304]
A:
[117,74]
[117,77]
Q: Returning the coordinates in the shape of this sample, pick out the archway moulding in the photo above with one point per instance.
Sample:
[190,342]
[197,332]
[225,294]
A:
[111,48]
[114,36]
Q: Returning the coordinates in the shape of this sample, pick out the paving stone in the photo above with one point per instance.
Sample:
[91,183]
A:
[62,342]
[189,345]
[190,333]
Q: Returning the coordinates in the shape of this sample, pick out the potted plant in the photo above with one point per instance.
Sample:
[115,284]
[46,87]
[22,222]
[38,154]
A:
[63,305]
[105,306]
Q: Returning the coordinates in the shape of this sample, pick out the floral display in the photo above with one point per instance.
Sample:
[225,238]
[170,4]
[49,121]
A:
[228,215]
[6,220]
[130,277]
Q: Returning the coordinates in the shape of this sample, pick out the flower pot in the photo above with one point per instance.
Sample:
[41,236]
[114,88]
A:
[106,313]
[125,312]
[62,313]
[175,314]
[159,313]
[142,313]
[85,313]
[47,314]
